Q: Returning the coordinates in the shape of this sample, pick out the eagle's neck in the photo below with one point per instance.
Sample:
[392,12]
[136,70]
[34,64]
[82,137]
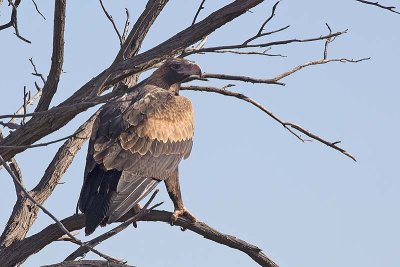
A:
[164,84]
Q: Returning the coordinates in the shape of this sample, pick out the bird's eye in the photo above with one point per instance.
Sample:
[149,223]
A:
[175,66]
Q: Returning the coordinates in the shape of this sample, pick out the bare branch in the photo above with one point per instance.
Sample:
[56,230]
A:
[276,80]
[38,127]
[260,31]
[57,57]
[264,53]
[45,143]
[287,125]
[24,213]
[269,44]
[17,172]
[390,8]
[126,26]
[36,73]
[48,213]
[317,62]
[198,11]
[110,18]
[94,242]
[37,9]
[76,222]
[239,78]
[14,20]
[88,263]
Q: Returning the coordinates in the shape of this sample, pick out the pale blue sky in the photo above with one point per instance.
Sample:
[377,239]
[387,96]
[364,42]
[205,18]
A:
[304,204]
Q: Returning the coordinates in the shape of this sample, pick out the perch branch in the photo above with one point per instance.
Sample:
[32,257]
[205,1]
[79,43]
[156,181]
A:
[51,233]
[94,242]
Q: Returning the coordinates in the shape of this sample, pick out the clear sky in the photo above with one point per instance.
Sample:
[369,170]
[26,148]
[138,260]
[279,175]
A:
[304,204]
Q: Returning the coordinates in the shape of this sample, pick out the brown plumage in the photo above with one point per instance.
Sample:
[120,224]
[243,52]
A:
[137,142]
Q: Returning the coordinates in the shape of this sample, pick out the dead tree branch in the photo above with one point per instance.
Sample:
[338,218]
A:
[88,263]
[48,213]
[45,143]
[276,79]
[260,31]
[201,6]
[75,222]
[24,212]
[390,8]
[37,9]
[57,58]
[17,172]
[287,125]
[94,242]
[110,18]
[38,127]
[14,20]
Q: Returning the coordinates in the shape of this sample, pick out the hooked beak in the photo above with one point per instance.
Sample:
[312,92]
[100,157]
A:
[191,69]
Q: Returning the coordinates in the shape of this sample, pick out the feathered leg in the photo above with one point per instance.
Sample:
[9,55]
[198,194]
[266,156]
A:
[174,192]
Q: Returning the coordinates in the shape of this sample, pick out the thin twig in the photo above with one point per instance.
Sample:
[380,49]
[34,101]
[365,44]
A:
[14,20]
[276,79]
[94,242]
[264,53]
[287,125]
[110,18]
[59,224]
[317,62]
[260,31]
[328,41]
[42,144]
[37,9]
[126,26]
[198,11]
[269,44]
[36,73]
[390,8]
[24,105]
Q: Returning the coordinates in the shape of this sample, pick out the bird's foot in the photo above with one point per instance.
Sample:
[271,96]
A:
[178,212]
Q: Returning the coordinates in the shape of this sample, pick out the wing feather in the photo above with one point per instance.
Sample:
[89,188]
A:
[144,137]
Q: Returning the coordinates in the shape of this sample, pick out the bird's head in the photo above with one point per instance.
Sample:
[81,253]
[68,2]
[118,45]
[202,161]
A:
[176,70]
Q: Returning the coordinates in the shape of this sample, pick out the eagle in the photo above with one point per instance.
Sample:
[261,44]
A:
[138,141]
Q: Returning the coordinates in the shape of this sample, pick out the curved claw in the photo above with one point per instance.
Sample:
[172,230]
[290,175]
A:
[182,212]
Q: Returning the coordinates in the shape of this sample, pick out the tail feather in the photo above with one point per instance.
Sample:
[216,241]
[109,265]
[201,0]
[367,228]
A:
[95,196]
[130,191]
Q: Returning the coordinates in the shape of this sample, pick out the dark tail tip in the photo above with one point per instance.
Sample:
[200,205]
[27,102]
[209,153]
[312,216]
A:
[89,230]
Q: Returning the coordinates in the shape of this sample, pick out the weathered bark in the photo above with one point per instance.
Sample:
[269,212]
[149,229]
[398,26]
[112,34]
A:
[40,126]
[57,58]
[25,212]
[20,250]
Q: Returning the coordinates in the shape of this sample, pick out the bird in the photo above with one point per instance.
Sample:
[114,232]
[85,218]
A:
[138,141]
